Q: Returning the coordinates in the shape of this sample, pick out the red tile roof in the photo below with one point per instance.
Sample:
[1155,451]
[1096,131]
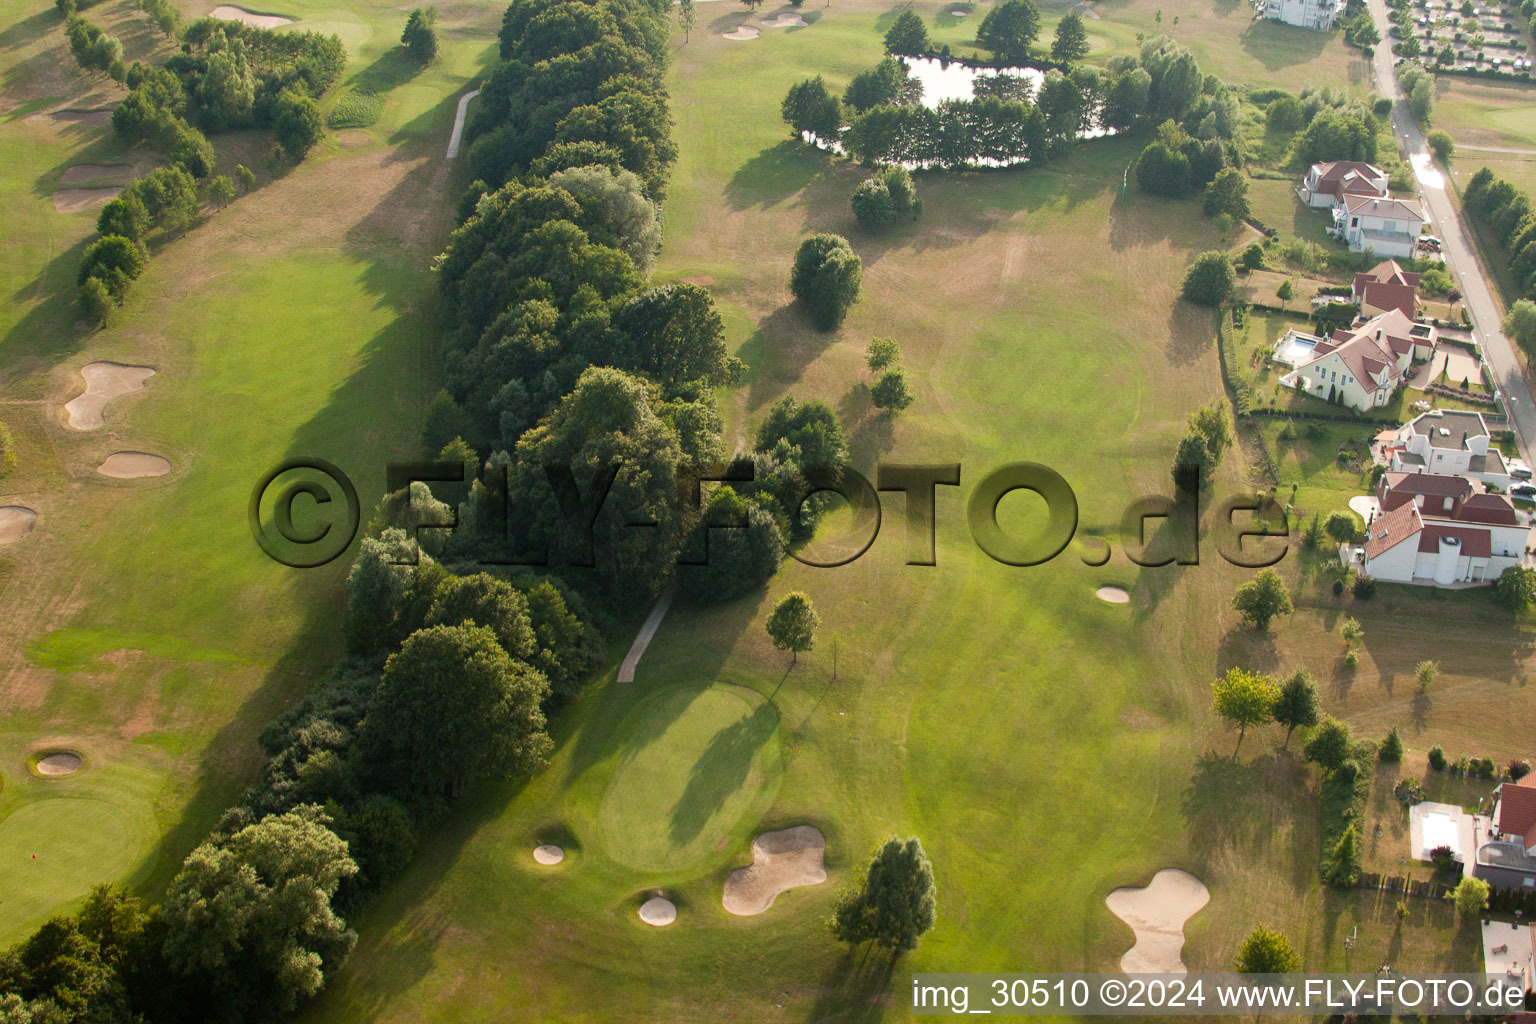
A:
[1474,543]
[1388,272]
[1517,808]
[1350,177]
[1387,295]
[1391,529]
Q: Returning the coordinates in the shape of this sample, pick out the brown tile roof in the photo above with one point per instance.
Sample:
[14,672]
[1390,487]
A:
[1392,209]
[1474,543]
[1350,177]
[1517,807]
[1493,509]
[1397,488]
[1388,272]
[1387,295]
[1391,529]
[1368,348]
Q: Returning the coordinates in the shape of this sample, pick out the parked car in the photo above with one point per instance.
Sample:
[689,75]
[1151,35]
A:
[1519,470]
[1526,491]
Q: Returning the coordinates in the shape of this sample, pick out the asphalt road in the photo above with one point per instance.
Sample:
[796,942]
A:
[1459,249]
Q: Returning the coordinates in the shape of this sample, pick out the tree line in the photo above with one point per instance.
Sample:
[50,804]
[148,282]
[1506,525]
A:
[1505,213]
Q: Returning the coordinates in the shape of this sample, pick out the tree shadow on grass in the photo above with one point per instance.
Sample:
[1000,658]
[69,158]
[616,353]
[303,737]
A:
[394,67]
[855,990]
[27,30]
[724,766]
[1240,805]
[46,336]
[1253,649]
[795,344]
[775,174]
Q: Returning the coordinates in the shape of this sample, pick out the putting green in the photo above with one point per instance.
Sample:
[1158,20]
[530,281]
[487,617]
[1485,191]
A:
[696,761]
[77,842]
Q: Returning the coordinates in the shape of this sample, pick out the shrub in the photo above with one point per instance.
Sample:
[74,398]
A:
[96,300]
[1364,587]
[1351,661]
[115,261]
[1437,759]
[872,206]
[1486,769]
[890,392]
[1444,860]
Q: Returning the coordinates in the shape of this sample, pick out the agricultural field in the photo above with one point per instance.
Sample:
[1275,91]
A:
[1046,744]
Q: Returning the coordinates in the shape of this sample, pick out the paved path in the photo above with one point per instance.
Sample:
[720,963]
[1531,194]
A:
[647,631]
[458,123]
[1460,250]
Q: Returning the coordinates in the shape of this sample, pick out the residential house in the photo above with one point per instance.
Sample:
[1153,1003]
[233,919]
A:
[1385,226]
[1361,367]
[1435,532]
[1508,858]
[1384,287]
[1319,14]
[1448,443]
[1326,185]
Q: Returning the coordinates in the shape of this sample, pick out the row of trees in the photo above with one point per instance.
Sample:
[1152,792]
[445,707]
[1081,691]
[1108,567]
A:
[1009,30]
[1506,213]
[93,49]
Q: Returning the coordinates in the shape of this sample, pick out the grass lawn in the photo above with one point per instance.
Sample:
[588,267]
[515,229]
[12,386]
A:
[1004,715]
[143,627]
[1484,118]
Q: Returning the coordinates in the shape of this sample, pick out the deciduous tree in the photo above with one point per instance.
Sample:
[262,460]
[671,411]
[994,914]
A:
[792,624]
[1262,598]
[1244,699]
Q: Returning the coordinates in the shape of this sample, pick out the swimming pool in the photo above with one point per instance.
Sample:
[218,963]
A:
[1295,349]
[1438,829]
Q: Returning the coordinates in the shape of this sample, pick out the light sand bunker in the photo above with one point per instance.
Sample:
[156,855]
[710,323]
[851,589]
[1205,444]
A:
[55,765]
[548,854]
[742,32]
[16,521]
[790,20]
[132,465]
[76,200]
[1157,914]
[99,118]
[103,382]
[81,173]
[245,17]
[658,912]
[1113,595]
[781,860]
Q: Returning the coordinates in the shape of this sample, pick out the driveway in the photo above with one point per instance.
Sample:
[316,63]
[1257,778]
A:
[1460,252]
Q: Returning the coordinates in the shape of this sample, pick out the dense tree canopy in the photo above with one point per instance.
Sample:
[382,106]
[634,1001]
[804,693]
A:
[1009,30]
[826,278]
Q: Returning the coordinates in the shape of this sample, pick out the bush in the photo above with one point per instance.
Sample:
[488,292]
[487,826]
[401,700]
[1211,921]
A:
[1486,769]
[113,260]
[356,109]
[1444,860]
[1442,144]
[826,278]
[1437,759]
[1364,587]
[872,206]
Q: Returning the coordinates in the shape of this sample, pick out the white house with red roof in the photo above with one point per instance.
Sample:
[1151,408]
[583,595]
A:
[1326,185]
[1361,367]
[1440,531]
[1384,287]
[1379,224]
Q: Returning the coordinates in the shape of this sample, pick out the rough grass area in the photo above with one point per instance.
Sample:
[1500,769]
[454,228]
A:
[356,109]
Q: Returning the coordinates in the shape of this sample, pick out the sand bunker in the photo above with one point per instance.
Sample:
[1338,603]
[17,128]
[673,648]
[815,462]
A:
[1157,914]
[742,32]
[16,521]
[81,173]
[658,912]
[1113,595]
[958,14]
[785,859]
[55,765]
[790,20]
[85,118]
[245,17]
[75,200]
[103,382]
[548,854]
[131,465]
